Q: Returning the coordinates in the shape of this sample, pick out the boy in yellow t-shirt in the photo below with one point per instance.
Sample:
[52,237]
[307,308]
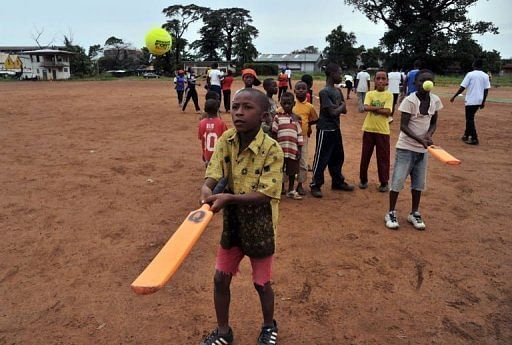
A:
[378,104]
[308,116]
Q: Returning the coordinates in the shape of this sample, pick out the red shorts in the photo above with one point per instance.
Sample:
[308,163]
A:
[228,262]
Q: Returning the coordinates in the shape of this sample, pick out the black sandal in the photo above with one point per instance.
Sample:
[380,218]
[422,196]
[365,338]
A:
[214,338]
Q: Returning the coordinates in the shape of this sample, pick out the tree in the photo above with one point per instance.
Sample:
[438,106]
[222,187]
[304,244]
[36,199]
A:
[180,18]
[228,30]
[373,57]
[415,26]
[307,50]
[79,62]
[210,42]
[340,48]
[243,48]
[94,50]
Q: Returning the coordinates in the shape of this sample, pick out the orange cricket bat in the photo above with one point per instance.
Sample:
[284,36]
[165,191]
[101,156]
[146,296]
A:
[442,155]
[172,254]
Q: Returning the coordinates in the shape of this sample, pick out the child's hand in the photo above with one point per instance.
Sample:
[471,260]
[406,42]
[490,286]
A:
[218,201]
[205,194]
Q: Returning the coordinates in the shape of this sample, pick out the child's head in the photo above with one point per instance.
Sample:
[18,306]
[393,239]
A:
[287,102]
[301,90]
[308,79]
[421,77]
[211,107]
[333,71]
[250,78]
[248,109]
[478,64]
[380,80]
[215,65]
[181,72]
[229,72]
[212,95]
[270,86]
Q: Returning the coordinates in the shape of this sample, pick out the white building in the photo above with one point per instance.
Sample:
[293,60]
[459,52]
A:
[296,62]
[49,64]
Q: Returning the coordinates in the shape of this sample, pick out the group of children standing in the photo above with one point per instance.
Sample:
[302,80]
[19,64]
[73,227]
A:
[269,143]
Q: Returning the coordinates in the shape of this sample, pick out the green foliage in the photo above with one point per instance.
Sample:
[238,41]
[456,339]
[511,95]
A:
[307,50]
[340,48]
[373,57]
[79,63]
[94,50]
[211,40]
[180,18]
[263,68]
[422,28]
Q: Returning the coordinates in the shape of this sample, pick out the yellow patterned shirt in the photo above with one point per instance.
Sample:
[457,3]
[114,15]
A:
[258,168]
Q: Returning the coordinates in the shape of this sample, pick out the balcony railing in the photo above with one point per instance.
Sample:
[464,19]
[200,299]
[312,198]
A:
[54,64]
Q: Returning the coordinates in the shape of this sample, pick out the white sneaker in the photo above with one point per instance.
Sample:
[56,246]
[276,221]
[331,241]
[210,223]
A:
[391,220]
[416,220]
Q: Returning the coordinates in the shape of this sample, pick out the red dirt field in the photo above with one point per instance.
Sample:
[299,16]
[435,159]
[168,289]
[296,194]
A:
[96,176]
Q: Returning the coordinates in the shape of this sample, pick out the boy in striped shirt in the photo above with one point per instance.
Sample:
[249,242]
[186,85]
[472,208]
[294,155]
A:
[286,128]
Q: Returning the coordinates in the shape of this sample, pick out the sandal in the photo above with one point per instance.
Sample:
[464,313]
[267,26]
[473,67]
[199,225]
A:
[294,195]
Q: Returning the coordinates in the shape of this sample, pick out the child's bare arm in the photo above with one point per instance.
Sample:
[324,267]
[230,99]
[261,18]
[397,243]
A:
[219,201]
[207,188]
[404,127]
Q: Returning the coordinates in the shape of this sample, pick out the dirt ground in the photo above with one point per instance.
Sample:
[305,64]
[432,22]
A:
[96,176]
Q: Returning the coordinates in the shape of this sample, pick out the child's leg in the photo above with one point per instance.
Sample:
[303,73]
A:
[261,275]
[266,294]
[226,265]
[291,182]
[393,197]
[366,155]
[402,169]
[222,299]
[196,100]
[418,179]
[416,197]
[383,148]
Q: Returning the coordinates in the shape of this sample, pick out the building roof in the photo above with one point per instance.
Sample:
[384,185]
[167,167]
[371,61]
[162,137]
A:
[48,52]
[288,57]
[25,48]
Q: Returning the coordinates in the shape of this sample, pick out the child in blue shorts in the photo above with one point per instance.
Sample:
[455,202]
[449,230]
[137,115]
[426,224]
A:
[418,124]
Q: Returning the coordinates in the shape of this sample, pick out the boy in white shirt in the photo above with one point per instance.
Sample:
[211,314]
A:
[417,125]
[362,85]
[477,84]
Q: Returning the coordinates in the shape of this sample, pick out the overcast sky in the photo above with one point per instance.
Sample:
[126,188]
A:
[284,25]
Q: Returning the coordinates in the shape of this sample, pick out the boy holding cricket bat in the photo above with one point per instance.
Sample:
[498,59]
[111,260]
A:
[252,163]
[417,125]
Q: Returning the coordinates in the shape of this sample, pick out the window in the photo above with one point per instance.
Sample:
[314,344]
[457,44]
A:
[31,58]
[65,69]
[38,71]
[37,57]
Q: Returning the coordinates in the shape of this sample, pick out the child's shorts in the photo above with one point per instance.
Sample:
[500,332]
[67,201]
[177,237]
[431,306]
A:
[228,261]
[291,166]
[409,163]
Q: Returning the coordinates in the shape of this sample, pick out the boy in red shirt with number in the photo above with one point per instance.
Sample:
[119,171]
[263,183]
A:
[210,129]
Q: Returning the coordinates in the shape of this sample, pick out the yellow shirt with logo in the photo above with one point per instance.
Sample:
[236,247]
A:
[377,123]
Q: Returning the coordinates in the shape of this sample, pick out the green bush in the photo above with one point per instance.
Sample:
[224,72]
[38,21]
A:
[263,68]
